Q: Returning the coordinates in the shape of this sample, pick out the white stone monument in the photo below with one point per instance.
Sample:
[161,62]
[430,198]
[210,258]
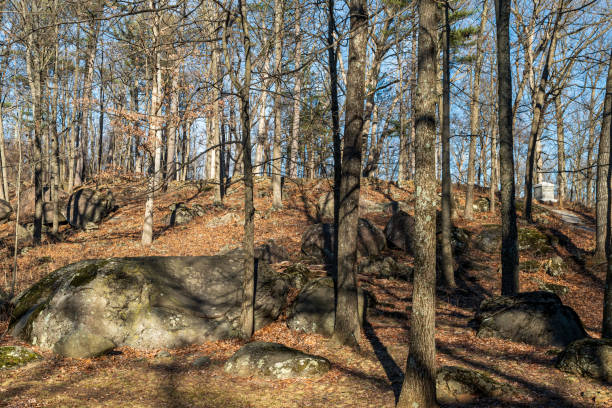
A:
[544,192]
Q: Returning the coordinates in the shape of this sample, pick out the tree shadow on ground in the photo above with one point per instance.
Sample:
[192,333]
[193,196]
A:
[392,370]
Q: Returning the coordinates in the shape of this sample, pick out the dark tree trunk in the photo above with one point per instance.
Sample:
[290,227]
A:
[333,79]
[448,271]
[419,388]
[509,250]
[602,171]
[606,326]
[347,329]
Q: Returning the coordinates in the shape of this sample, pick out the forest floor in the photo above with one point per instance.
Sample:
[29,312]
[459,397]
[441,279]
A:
[370,378]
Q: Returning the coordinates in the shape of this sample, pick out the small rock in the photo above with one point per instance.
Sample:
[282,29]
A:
[555,288]
[229,218]
[200,362]
[555,266]
[588,358]
[163,354]
[16,356]
[386,268]
[460,385]
[274,360]
[299,275]
[481,204]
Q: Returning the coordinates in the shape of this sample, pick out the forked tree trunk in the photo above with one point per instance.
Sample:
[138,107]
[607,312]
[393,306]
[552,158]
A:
[419,387]
[347,329]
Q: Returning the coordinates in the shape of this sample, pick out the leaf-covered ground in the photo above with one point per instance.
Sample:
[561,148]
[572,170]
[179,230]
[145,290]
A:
[370,378]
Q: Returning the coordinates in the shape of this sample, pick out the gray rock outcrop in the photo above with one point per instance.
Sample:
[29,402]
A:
[85,308]
[537,318]
[87,205]
[274,360]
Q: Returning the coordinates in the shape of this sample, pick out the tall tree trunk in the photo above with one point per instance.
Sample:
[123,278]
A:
[73,178]
[419,387]
[347,329]
[509,249]
[606,326]
[335,118]
[277,199]
[561,177]
[154,130]
[101,116]
[92,41]
[297,93]
[173,123]
[55,174]
[475,114]
[403,165]
[602,170]
[448,271]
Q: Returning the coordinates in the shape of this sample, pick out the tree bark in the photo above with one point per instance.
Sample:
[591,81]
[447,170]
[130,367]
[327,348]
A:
[509,249]
[448,271]
[606,326]
[419,387]
[277,199]
[297,93]
[602,171]
[475,114]
[347,329]
[561,177]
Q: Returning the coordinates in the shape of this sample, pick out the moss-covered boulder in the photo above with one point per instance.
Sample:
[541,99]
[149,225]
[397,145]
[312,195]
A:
[533,240]
[588,357]
[457,385]
[85,308]
[489,238]
[16,356]
[538,318]
[273,360]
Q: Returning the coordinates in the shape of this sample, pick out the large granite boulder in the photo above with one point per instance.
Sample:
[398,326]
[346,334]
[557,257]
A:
[5,211]
[277,361]
[145,303]
[588,357]
[458,385]
[271,252]
[318,240]
[537,318]
[489,238]
[48,213]
[314,311]
[399,231]
[89,206]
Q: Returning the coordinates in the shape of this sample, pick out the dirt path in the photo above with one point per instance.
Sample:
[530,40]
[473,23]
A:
[574,219]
